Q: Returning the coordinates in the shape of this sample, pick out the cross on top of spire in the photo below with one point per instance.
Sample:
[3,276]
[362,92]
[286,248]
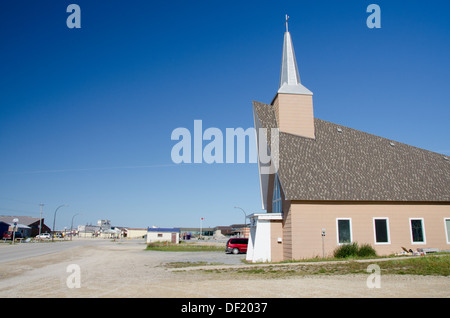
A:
[287,18]
[289,77]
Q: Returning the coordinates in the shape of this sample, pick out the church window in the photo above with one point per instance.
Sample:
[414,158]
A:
[276,199]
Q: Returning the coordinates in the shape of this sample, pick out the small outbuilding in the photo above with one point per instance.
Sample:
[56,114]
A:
[158,234]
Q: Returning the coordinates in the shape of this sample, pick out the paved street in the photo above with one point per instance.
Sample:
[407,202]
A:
[19,251]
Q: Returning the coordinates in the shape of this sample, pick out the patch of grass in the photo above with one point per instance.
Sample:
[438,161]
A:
[428,265]
[171,247]
[188,264]
[425,265]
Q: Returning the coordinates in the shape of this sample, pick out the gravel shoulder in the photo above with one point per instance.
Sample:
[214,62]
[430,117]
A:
[127,270]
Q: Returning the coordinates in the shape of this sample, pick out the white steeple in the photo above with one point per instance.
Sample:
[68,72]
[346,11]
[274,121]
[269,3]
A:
[290,78]
[293,103]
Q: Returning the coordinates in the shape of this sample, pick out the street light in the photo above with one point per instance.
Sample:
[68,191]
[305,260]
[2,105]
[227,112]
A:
[71,226]
[54,219]
[323,243]
[14,230]
[245,218]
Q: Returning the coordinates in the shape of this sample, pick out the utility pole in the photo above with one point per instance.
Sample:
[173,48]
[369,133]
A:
[40,220]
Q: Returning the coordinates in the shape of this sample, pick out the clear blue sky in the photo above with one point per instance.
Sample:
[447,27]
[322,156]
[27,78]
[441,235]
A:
[86,114]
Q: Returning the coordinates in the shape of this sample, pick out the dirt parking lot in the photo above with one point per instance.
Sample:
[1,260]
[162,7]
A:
[126,270]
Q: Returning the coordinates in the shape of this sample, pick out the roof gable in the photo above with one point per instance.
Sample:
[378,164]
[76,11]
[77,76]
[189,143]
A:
[26,220]
[346,164]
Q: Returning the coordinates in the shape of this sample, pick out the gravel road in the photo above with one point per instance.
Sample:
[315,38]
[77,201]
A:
[125,269]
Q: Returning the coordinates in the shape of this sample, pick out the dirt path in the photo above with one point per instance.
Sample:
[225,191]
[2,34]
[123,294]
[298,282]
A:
[126,270]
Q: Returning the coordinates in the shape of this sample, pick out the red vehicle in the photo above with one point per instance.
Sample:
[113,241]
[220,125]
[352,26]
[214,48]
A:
[9,235]
[237,245]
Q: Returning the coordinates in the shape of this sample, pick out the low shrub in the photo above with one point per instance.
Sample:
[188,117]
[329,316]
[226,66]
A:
[353,250]
[346,250]
[366,250]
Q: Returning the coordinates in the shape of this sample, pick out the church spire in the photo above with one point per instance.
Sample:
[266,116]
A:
[290,78]
[293,102]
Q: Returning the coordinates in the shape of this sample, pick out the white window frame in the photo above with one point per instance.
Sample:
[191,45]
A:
[387,229]
[446,230]
[423,231]
[337,230]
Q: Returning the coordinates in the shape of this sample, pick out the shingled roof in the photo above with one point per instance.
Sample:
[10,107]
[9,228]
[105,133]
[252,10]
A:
[26,220]
[344,164]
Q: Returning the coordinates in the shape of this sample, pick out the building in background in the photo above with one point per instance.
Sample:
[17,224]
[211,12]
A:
[235,230]
[104,225]
[29,226]
[191,232]
[3,228]
[132,232]
[88,230]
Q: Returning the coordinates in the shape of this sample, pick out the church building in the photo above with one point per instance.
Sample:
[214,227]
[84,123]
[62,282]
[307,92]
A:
[331,185]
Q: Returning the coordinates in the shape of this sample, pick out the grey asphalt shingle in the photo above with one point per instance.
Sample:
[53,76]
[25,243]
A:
[353,165]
